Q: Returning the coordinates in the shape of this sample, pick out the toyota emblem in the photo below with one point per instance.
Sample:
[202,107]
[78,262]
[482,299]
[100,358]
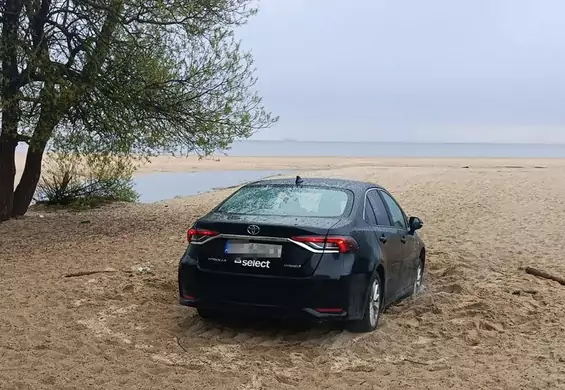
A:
[253,230]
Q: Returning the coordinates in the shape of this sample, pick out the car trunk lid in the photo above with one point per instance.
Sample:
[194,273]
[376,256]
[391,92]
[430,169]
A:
[259,245]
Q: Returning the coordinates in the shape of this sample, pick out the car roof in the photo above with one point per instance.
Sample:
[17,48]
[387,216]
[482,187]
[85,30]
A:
[354,185]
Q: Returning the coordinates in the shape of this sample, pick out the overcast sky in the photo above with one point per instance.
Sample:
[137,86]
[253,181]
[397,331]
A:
[412,70]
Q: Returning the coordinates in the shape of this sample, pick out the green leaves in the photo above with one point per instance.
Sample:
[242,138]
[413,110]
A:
[137,76]
[123,79]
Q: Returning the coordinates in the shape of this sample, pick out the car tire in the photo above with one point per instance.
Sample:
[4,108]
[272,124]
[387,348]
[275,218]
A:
[418,279]
[373,307]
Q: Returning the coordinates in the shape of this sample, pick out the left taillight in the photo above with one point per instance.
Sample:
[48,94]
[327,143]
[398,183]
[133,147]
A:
[341,244]
[194,235]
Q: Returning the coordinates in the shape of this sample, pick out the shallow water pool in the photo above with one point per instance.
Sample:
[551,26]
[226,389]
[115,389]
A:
[155,187]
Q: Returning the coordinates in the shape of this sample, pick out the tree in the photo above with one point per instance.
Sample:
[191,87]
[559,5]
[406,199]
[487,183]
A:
[123,77]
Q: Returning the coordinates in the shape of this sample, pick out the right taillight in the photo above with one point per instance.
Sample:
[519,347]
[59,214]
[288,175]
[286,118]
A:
[194,235]
[341,244]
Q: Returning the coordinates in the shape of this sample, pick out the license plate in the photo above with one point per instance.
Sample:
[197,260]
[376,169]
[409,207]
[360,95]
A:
[253,249]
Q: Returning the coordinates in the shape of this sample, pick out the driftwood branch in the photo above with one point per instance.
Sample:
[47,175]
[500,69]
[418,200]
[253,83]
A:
[519,292]
[180,345]
[545,275]
[86,273]
[415,362]
[99,271]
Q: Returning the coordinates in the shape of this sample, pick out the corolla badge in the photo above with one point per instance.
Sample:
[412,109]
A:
[253,230]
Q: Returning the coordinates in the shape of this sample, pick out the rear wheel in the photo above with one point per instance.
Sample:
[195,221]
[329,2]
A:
[373,308]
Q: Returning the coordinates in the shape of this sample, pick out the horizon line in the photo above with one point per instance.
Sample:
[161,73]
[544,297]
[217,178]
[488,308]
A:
[408,142]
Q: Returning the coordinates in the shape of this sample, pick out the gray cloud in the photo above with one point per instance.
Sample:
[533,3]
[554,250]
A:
[435,70]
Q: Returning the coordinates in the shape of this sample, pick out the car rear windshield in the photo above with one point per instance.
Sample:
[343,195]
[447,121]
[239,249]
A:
[287,200]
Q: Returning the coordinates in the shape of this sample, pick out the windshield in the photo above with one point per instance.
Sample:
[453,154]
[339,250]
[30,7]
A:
[287,200]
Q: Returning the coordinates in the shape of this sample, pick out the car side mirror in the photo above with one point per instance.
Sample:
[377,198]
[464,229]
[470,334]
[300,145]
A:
[415,224]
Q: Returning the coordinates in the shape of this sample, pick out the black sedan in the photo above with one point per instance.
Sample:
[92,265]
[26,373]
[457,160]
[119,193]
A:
[325,249]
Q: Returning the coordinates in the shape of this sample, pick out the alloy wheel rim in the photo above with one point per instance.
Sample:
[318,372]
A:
[374,303]
[418,281]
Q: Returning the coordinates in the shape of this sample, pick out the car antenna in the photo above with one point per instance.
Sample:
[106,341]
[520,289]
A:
[298,180]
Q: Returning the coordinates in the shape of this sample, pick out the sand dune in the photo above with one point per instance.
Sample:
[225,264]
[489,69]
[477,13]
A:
[481,321]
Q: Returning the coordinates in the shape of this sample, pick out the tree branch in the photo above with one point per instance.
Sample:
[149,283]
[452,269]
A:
[36,19]
[9,60]
[69,36]
[23,138]
[100,52]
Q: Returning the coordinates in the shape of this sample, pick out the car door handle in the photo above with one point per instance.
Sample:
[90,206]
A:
[403,240]
[383,239]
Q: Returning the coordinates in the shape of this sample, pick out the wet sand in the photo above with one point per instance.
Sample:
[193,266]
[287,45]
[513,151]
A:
[481,322]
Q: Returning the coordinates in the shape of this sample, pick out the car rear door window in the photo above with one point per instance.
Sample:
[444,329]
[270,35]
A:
[396,213]
[379,209]
[369,213]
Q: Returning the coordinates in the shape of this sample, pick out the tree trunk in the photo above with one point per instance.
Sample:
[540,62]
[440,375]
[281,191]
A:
[7,176]
[28,183]
[9,104]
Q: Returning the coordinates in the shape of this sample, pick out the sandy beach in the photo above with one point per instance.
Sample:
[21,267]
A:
[481,323]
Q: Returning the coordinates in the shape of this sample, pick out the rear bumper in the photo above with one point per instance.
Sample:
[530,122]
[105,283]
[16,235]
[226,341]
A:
[317,297]
[251,309]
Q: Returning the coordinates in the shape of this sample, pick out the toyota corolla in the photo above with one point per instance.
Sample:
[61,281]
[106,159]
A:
[325,249]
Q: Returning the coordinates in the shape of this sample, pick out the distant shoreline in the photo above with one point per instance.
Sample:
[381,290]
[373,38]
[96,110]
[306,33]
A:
[231,162]
[379,150]
[405,142]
